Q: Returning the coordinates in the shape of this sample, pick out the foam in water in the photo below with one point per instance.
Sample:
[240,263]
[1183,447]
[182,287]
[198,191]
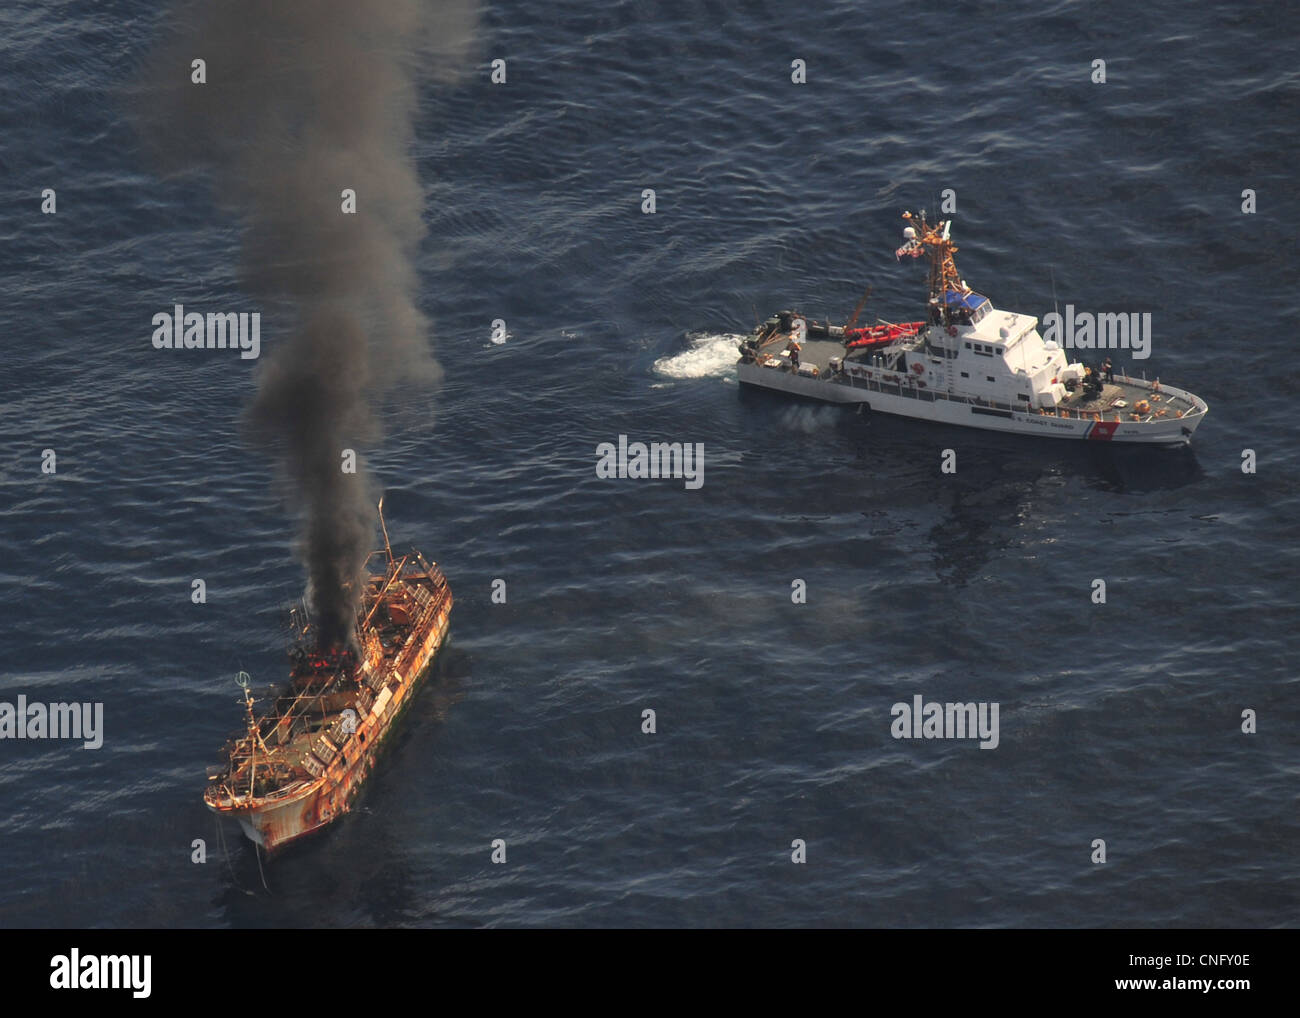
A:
[810,419]
[708,355]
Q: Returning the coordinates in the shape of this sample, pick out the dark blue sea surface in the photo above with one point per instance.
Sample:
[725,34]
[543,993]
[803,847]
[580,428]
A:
[1119,721]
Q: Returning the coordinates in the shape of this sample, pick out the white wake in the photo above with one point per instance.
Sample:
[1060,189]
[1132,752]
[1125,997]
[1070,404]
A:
[708,355]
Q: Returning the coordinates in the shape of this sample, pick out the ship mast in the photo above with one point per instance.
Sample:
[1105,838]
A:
[388,550]
[254,736]
[934,241]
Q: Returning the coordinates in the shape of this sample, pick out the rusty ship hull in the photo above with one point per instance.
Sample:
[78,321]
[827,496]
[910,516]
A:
[301,763]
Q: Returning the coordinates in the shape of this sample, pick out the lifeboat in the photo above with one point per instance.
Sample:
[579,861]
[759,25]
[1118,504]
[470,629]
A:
[879,335]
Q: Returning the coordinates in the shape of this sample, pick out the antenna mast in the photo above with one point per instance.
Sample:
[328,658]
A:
[1055,306]
[938,245]
[382,526]
[853,318]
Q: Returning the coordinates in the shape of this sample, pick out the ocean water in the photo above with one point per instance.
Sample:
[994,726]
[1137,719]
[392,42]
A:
[1119,722]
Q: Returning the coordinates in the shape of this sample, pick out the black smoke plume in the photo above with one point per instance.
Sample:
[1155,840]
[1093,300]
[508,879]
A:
[303,99]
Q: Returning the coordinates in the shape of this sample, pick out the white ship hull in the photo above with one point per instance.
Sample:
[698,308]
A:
[917,403]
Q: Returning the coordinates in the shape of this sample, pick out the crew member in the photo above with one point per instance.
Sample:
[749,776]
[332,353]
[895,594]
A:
[1108,369]
[794,349]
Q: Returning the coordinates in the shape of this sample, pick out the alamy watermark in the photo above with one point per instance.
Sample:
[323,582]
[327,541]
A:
[25,720]
[934,720]
[75,971]
[1105,331]
[182,330]
[680,460]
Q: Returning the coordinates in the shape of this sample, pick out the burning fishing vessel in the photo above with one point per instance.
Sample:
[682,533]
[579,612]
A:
[300,764]
[967,363]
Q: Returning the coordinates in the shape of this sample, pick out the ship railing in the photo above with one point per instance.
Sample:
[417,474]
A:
[927,395]
[1195,405]
[403,660]
[295,786]
[930,395]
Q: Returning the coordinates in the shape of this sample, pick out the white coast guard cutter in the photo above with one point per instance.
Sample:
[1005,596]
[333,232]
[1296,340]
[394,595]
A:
[968,363]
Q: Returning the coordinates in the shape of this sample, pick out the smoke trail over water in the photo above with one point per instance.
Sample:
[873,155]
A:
[303,99]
